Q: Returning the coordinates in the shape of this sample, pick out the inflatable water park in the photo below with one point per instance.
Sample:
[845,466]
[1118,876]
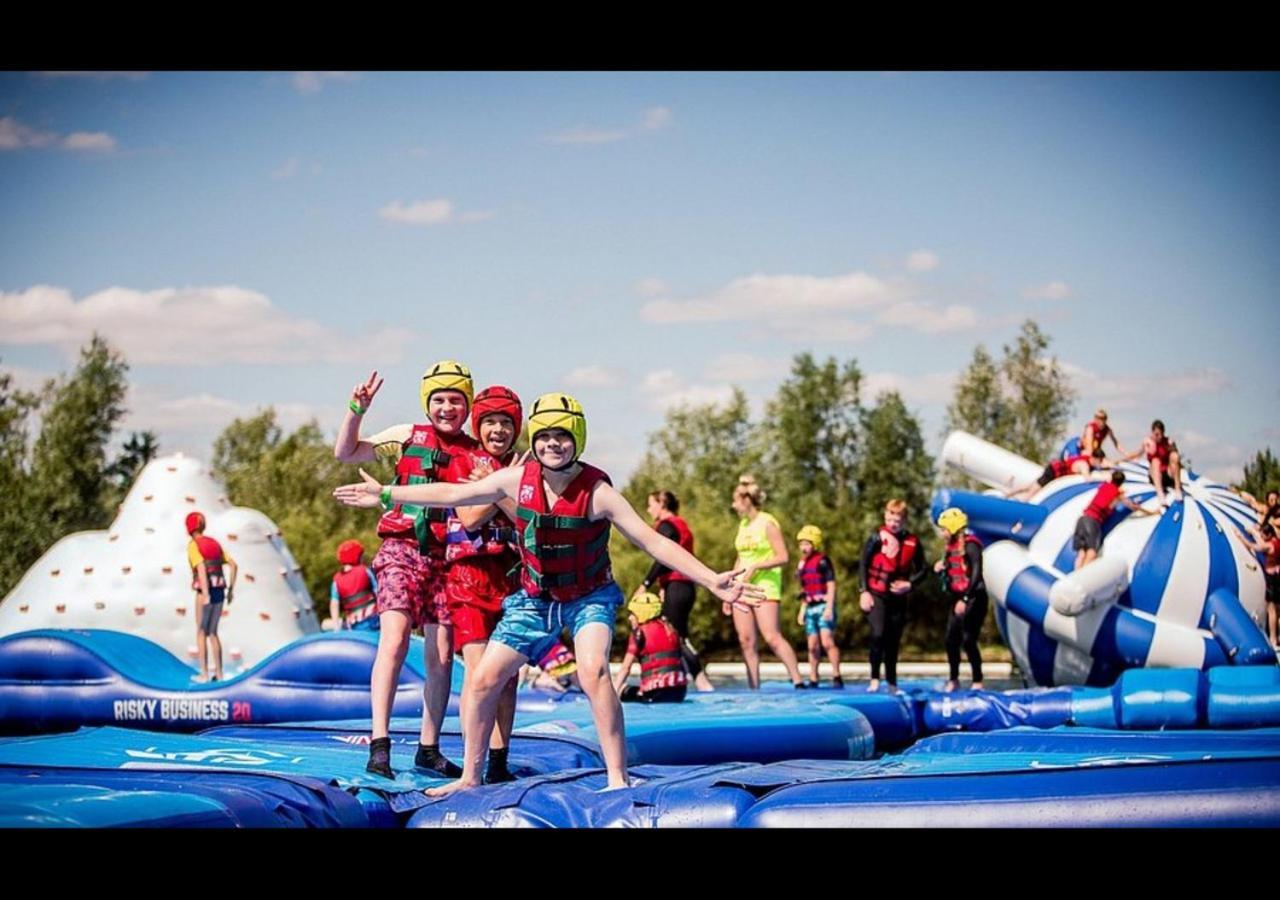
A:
[1151,696]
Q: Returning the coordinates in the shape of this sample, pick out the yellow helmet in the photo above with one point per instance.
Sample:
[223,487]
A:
[559,411]
[952,520]
[447,375]
[812,534]
[645,607]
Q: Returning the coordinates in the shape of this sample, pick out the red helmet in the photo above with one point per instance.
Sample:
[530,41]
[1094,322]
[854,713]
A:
[195,522]
[349,552]
[496,399]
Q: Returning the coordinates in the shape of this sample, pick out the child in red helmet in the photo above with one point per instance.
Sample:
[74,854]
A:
[212,586]
[353,595]
[479,558]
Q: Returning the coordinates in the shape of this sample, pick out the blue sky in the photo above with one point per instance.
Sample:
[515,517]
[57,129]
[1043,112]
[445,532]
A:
[643,239]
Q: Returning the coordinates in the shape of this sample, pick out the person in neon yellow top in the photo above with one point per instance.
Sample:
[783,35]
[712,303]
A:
[762,553]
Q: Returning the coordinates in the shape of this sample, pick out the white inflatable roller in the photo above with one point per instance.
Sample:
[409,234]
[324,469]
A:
[1102,581]
[983,461]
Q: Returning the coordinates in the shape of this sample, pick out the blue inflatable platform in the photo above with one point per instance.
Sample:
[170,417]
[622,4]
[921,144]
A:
[55,680]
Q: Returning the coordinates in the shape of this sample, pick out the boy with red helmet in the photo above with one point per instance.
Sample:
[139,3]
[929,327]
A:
[207,560]
[353,594]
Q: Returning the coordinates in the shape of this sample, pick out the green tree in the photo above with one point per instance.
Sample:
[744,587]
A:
[290,478]
[69,459]
[1260,475]
[1022,403]
[61,481]
[21,531]
[1041,398]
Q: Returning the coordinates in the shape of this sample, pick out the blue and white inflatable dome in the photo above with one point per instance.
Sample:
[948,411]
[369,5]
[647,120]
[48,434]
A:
[1172,588]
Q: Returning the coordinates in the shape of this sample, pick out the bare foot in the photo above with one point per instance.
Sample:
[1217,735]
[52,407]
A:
[976,686]
[452,788]
[873,685]
[950,687]
[200,679]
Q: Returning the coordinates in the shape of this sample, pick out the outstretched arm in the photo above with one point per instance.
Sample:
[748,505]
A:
[607,503]
[368,493]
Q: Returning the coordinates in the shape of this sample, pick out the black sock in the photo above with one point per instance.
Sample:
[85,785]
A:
[497,770]
[429,757]
[380,757]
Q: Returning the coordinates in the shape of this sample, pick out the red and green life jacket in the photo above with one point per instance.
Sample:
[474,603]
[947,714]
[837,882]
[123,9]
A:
[563,554]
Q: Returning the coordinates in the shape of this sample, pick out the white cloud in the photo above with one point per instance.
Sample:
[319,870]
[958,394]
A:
[595,377]
[89,141]
[585,135]
[774,298]
[655,118]
[16,136]
[738,367]
[97,76]
[429,212]
[1130,391]
[664,390]
[197,326]
[922,261]
[314,82]
[1054,290]
[813,308]
[288,169]
[423,212]
[651,287]
[929,388]
[928,318]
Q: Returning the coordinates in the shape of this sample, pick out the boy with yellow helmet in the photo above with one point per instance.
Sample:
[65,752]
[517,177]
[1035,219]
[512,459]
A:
[655,644]
[565,509]
[409,565]
[961,571]
[818,603]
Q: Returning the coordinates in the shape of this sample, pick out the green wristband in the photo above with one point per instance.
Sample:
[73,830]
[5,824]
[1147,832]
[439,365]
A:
[385,497]
[357,408]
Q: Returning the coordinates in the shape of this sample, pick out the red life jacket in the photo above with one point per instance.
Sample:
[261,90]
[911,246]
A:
[812,582]
[428,457]
[686,541]
[211,550]
[885,569]
[1062,467]
[1100,506]
[1161,453]
[661,664]
[1099,433]
[355,593]
[564,554]
[957,567]
[1272,564]
[493,538]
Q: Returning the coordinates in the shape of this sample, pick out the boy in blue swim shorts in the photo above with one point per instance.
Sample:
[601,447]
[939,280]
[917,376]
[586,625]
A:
[818,604]
[564,510]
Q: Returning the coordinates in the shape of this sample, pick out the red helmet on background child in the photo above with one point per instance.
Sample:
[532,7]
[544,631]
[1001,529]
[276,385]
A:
[349,552]
[194,522]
